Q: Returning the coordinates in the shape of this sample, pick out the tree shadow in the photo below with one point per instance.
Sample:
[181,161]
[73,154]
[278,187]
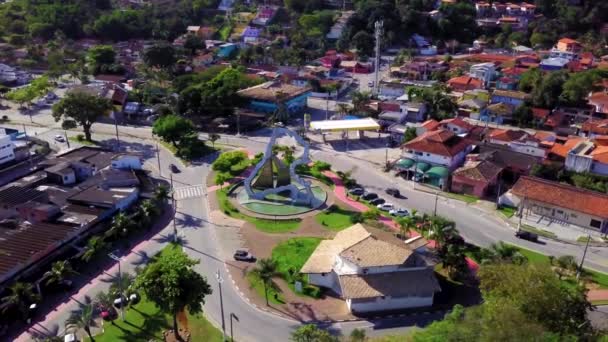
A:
[188,221]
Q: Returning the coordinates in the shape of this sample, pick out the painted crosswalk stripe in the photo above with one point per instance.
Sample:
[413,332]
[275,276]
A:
[188,192]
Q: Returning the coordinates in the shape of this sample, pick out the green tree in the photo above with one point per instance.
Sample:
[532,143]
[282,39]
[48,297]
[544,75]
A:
[530,80]
[559,307]
[121,225]
[523,115]
[59,271]
[83,319]
[160,55]
[99,56]
[546,95]
[579,85]
[410,134]
[364,43]
[312,333]
[360,100]
[172,128]
[20,296]
[266,270]
[95,245]
[357,335]
[173,285]
[161,195]
[213,137]
[145,213]
[406,224]
[502,252]
[79,108]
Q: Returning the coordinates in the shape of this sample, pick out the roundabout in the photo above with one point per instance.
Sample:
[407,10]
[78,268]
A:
[280,204]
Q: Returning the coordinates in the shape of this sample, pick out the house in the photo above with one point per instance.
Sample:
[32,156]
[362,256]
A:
[484,72]
[513,163]
[497,113]
[371,272]
[202,60]
[7,149]
[518,141]
[439,147]
[506,83]
[267,96]
[356,67]
[427,126]
[202,32]
[471,107]
[599,100]
[456,125]
[464,83]
[402,112]
[424,47]
[587,156]
[475,177]
[568,45]
[251,34]
[554,63]
[563,203]
[513,98]
[226,50]
[592,128]
[264,15]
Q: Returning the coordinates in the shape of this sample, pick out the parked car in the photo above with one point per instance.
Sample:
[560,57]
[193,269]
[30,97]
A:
[60,138]
[399,212]
[173,168]
[243,255]
[386,206]
[522,234]
[370,84]
[393,192]
[356,191]
[377,201]
[368,196]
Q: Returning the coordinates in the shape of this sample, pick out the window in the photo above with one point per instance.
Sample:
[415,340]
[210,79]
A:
[65,178]
[428,154]
[573,215]
[560,211]
[595,223]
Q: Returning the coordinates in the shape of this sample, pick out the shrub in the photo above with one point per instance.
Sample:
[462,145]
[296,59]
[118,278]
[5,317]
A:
[356,218]
[227,159]
[322,166]
[237,169]
[372,214]
[80,137]
[312,291]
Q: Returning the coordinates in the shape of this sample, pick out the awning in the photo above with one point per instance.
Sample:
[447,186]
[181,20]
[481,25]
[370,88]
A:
[404,163]
[438,172]
[366,124]
[422,167]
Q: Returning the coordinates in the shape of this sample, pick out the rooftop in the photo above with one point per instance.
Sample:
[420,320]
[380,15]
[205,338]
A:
[272,91]
[393,284]
[480,170]
[441,142]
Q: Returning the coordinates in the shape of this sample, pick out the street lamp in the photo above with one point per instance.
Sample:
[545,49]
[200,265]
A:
[122,304]
[236,318]
[220,280]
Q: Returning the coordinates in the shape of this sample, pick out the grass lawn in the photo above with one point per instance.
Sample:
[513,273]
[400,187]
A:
[144,321]
[224,31]
[265,225]
[84,142]
[584,239]
[291,255]
[540,232]
[335,219]
[273,296]
[462,197]
[508,212]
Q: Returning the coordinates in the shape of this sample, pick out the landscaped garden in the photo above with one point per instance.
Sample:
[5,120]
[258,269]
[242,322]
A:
[336,218]
[290,256]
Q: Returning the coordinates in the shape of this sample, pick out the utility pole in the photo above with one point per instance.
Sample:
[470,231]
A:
[117,138]
[580,267]
[436,198]
[174,208]
[238,124]
[236,318]
[498,195]
[67,141]
[220,280]
[378,26]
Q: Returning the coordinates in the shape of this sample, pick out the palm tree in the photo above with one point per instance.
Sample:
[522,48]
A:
[103,300]
[83,319]
[58,272]
[95,245]
[146,212]
[20,297]
[406,224]
[161,194]
[124,283]
[360,99]
[121,225]
[330,88]
[442,230]
[343,108]
[266,271]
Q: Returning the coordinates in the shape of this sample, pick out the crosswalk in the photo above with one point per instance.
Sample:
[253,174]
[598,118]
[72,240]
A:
[191,191]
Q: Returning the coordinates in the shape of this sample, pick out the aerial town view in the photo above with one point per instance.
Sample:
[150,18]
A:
[303,170]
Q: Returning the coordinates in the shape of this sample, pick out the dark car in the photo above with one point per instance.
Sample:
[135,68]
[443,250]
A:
[356,191]
[377,201]
[369,196]
[243,255]
[173,168]
[522,234]
[393,192]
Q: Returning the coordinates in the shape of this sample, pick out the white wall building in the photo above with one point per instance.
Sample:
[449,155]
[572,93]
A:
[484,72]
[587,157]
[439,147]
[372,274]
[7,149]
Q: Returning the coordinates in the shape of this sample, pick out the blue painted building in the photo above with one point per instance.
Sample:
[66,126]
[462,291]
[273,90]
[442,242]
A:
[225,50]
[510,97]
[265,97]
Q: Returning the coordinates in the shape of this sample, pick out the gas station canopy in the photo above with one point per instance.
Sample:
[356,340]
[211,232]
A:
[367,124]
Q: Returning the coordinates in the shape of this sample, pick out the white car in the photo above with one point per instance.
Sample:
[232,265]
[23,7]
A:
[399,212]
[59,138]
[386,206]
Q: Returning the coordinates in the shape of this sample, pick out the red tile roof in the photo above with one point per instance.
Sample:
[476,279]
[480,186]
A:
[568,41]
[440,142]
[430,125]
[483,170]
[465,81]
[600,99]
[507,134]
[562,195]
[457,121]
[563,149]
[596,126]
[540,113]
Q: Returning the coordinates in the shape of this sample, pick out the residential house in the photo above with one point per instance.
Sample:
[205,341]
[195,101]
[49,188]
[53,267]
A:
[599,100]
[506,83]
[568,45]
[202,60]
[475,177]
[424,47]
[264,15]
[7,149]
[356,67]
[202,32]
[563,203]
[513,98]
[266,97]
[587,156]
[456,125]
[471,107]
[498,113]
[371,272]
[464,83]
[592,128]
[483,71]
[226,50]
[427,126]
[520,141]
[251,34]
[514,164]
[554,63]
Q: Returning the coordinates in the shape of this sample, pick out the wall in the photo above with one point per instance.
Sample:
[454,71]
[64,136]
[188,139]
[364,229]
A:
[528,149]
[6,149]
[327,280]
[578,163]
[475,188]
[599,168]
[563,214]
[508,100]
[127,162]
[388,303]
[128,200]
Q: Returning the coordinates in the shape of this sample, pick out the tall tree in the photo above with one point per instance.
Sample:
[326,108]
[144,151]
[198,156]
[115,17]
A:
[172,128]
[59,271]
[160,55]
[173,285]
[83,319]
[95,245]
[267,270]
[121,225]
[312,333]
[20,297]
[100,57]
[161,195]
[79,108]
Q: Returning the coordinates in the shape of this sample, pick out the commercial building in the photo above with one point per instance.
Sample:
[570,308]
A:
[371,272]
[563,203]
[267,96]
